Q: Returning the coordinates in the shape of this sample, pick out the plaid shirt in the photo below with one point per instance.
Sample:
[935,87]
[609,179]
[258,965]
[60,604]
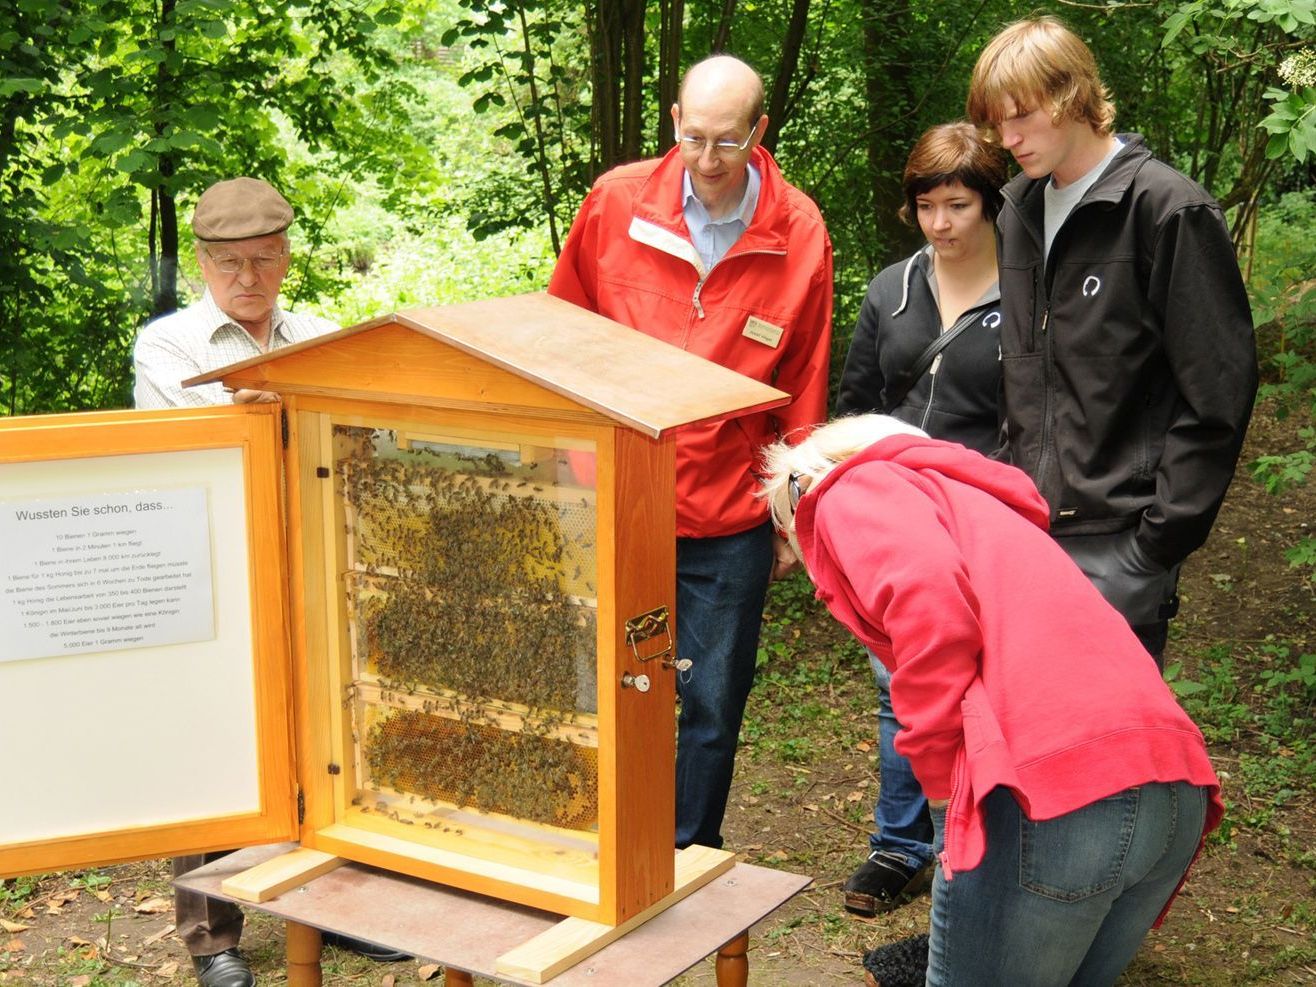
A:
[201,338]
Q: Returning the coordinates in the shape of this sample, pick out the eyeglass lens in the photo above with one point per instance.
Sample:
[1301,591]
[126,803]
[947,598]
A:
[232,263]
[718,147]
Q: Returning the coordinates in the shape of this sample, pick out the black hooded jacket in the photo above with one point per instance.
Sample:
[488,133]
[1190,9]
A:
[1129,361]
[958,398]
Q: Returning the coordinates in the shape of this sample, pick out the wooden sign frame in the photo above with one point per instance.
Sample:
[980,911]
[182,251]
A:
[253,434]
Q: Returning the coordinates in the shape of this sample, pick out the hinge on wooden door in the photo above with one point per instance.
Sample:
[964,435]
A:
[301,806]
[283,427]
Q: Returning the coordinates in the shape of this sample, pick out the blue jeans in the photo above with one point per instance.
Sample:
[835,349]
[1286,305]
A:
[720,587]
[1067,901]
[900,814]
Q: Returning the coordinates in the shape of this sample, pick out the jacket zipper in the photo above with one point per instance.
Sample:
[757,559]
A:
[936,365]
[699,285]
[932,391]
[1047,410]
[948,872]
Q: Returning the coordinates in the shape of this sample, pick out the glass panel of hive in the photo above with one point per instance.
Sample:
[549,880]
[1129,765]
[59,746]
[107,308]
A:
[471,604]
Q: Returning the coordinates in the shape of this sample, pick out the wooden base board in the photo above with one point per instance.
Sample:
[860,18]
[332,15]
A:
[278,874]
[571,940]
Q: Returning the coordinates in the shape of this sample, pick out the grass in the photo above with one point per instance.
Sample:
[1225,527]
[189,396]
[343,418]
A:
[1263,698]
[808,700]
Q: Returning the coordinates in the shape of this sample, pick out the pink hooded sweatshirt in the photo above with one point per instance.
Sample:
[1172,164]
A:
[1008,666]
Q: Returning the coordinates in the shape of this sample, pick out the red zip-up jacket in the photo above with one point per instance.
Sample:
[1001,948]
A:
[764,310]
[1008,666]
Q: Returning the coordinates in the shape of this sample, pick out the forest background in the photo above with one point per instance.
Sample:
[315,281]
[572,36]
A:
[436,152]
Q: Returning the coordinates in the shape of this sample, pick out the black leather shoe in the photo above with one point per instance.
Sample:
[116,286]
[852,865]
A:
[380,954]
[226,969]
[885,882]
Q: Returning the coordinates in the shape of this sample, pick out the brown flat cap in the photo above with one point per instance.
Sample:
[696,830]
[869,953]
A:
[239,209]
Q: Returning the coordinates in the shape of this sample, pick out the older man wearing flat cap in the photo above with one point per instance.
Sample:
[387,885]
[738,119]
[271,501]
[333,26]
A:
[242,246]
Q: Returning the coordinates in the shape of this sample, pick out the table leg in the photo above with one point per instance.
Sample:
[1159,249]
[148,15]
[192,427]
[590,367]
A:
[732,962]
[456,978]
[303,944]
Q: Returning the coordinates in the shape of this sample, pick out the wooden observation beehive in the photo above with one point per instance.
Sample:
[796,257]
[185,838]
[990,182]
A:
[478,551]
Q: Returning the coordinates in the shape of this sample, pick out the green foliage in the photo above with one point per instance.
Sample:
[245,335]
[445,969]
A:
[113,112]
[1291,123]
[805,685]
[17,892]
[1265,703]
[1278,472]
[526,58]
[445,264]
[1284,301]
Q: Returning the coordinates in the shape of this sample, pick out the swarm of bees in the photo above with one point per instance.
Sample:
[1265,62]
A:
[460,580]
[526,775]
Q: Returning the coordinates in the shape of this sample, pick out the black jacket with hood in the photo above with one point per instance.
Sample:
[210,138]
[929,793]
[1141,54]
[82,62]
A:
[958,398]
[1128,359]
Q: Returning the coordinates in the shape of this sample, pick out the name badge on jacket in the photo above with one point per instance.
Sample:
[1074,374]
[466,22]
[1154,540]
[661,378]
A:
[762,332]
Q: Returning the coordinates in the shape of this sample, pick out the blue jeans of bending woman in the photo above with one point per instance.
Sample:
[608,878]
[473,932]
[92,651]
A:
[1066,901]
[720,587]
[900,815]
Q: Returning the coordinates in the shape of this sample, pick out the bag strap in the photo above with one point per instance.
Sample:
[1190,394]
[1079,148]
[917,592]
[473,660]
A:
[902,384]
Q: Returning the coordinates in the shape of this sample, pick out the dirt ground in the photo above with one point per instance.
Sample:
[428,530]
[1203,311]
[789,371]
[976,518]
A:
[803,791]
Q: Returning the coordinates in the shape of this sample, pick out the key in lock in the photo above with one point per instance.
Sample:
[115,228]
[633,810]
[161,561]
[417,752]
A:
[640,683]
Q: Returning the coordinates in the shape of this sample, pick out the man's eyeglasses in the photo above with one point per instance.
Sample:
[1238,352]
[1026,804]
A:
[720,148]
[793,491]
[233,263]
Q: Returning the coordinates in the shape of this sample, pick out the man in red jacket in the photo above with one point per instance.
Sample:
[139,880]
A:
[708,248]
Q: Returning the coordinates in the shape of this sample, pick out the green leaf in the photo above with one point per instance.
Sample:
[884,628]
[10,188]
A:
[16,84]
[1277,146]
[1174,24]
[1298,146]
[110,141]
[135,161]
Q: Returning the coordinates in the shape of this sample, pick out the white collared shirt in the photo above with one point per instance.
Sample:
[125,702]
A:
[714,237]
[201,338]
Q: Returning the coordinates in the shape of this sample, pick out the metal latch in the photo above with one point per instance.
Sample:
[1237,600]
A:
[646,627]
[650,625]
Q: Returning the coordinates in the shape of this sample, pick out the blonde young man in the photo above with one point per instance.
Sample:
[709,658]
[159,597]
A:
[1127,351]
[242,247]
[709,249]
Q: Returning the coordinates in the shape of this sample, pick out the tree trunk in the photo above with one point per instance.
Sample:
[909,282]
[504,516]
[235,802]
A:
[669,68]
[164,210]
[887,86]
[605,71]
[633,107]
[541,143]
[723,36]
[790,60]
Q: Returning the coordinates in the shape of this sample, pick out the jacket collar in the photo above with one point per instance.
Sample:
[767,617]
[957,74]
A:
[657,218]
[1025,193]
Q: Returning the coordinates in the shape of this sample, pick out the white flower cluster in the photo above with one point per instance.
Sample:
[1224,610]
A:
[1299,69]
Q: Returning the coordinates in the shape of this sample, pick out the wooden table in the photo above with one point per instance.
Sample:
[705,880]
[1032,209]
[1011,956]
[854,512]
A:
[466,933]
